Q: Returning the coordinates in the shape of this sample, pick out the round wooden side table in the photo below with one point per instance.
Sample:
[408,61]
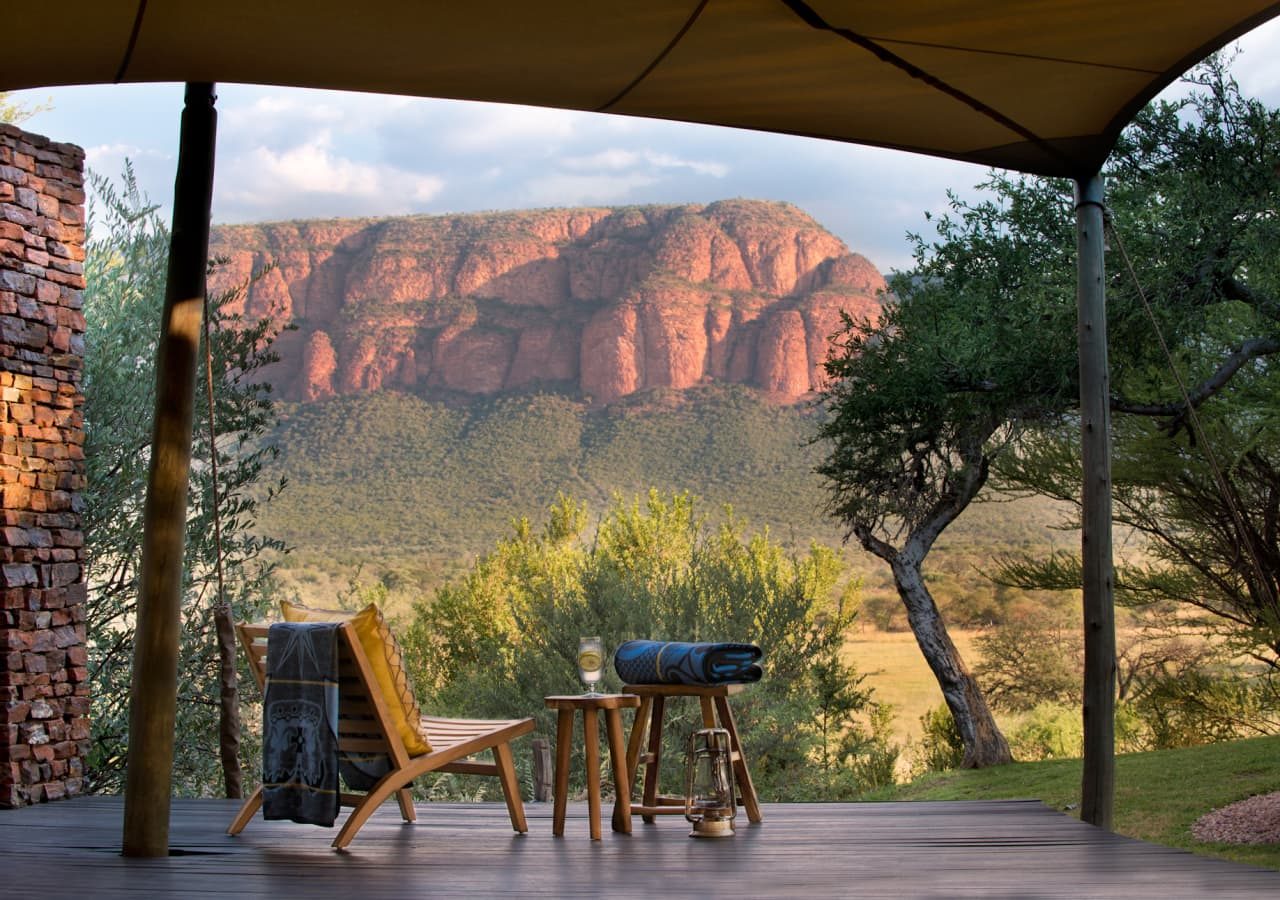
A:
[590,705]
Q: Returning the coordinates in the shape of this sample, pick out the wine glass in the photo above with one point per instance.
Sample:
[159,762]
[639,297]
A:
[590,663]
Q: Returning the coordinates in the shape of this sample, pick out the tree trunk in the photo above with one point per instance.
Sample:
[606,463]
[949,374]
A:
[228,703]
[984,744]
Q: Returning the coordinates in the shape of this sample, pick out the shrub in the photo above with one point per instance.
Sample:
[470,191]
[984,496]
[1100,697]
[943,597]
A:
[498,640]
[940,746]
[1050,731]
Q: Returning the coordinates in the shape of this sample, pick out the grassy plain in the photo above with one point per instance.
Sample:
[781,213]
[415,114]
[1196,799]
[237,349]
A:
[1159,795]
[897,672]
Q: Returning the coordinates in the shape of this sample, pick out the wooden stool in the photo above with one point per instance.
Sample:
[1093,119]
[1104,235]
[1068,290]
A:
[611,704]
[715,704]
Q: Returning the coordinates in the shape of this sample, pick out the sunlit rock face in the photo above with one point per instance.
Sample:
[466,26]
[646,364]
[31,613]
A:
[604,301]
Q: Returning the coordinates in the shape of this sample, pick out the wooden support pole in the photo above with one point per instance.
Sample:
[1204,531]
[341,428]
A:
[1097,787]
[153,703]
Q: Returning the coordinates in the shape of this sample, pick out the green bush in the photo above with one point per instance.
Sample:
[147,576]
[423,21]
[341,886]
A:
[1049,731]
[1203,706]
[940,746]
[497,641]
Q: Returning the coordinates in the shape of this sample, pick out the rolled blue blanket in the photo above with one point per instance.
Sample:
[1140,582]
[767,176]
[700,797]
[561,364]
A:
[675,662]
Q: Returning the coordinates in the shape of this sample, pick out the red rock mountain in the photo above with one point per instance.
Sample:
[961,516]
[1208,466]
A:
[611,301]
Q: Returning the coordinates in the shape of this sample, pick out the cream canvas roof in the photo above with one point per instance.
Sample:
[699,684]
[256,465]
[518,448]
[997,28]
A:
[1039,85]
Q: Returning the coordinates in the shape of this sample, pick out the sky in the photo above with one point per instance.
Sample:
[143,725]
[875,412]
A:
[287,153]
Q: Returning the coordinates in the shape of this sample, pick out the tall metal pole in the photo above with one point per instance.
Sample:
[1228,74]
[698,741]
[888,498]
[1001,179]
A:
[1097,787]
[154,697]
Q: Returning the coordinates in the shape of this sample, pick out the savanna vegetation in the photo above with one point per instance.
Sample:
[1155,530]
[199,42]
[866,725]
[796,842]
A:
[405,492]
[498,640]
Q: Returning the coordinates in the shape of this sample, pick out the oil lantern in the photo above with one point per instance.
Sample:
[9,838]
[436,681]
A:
[709,801]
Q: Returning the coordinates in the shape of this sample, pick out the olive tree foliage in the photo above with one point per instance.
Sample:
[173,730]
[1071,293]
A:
[15,113]
[504,636]
[125,278]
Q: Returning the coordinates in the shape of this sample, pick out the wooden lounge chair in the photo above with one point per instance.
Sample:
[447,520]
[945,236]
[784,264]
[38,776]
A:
[365,726]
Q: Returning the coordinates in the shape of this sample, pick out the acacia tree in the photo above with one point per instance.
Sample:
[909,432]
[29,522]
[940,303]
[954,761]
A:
[974,356]
[923,399]
[125,274]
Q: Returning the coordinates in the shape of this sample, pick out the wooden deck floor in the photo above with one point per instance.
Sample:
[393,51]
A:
[1001,849]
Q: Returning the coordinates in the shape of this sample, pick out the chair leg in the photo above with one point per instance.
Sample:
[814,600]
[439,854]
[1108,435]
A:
[510,786]
[247,812]
[390,784]
[708,712]
[404,797]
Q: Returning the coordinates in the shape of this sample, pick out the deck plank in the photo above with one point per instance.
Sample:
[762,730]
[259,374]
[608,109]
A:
[961,849]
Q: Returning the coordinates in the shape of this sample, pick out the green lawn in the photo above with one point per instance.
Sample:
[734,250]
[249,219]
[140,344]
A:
[1158,795]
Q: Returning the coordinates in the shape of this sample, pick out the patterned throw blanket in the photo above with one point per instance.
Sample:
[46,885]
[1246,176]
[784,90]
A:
[674,662]
[300,724]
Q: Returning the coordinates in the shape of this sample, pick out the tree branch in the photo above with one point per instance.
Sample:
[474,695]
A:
[1249,350]
[1234,289]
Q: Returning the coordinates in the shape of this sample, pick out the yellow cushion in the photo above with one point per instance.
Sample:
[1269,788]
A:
[385,659]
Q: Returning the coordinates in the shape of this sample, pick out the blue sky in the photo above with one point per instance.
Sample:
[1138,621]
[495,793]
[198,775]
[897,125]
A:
[287,153]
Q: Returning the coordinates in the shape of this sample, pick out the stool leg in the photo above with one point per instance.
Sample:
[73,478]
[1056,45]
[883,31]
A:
[637,738]
[655,755]
[592,735]
[564,741]
[708,712]
[618,760]
[740,772]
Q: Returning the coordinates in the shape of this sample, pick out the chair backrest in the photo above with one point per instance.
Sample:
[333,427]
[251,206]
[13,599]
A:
[364,723]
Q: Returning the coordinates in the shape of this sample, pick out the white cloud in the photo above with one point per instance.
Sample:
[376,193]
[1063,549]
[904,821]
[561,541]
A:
[272,112]
[562,189]
[616,159]
[488,127]
[1256,66]
[261,181]
[107,158]
[669,161]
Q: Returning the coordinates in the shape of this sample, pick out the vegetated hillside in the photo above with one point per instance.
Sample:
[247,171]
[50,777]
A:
[410,490]
[608,302]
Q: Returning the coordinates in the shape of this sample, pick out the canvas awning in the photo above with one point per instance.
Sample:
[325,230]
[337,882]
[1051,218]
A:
[1043,87]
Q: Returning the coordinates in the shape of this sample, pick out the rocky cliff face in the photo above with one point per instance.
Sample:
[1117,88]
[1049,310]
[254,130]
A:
[611,301]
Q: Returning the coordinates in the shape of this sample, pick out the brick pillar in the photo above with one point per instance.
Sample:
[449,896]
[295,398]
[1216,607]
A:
[43,679]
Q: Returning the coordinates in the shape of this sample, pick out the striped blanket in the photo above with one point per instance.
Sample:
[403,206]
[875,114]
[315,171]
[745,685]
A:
[300,723]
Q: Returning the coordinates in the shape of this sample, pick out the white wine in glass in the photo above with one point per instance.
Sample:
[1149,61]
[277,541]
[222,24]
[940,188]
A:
[590,662]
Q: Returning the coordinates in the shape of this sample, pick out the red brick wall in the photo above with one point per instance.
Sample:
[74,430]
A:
[43,682]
